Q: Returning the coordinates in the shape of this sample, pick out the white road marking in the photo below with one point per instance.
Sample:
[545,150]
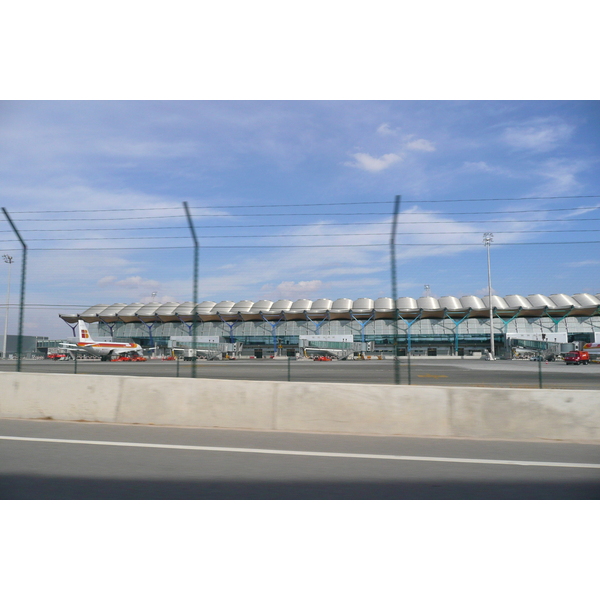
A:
[479,461]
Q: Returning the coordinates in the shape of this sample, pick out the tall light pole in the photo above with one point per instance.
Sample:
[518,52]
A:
[488,238]
[7,259]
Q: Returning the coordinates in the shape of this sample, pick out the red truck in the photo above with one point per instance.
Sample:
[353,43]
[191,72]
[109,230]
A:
[577,357]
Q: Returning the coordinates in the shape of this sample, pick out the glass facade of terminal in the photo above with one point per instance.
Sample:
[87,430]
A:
[420,336]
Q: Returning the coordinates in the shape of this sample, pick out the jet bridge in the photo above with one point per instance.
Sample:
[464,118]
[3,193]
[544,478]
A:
[341,347]
[209,347]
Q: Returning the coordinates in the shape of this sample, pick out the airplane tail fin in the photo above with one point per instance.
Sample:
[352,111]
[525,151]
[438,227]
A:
[84,334]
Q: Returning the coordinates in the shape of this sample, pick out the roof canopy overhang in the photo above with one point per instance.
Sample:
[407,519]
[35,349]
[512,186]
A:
[341,309]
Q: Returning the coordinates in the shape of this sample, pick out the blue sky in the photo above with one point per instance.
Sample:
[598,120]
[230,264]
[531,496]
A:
[316,173]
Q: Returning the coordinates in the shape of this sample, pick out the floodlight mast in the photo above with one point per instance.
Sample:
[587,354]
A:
[9,260]
[488,238]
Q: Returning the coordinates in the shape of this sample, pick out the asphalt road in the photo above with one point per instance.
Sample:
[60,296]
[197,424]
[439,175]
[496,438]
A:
[453,372]
[58,460]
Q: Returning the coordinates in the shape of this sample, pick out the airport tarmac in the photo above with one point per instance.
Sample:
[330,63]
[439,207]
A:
[423,371]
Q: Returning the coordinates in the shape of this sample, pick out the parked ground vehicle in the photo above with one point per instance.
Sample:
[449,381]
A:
[547,358]
[577,357]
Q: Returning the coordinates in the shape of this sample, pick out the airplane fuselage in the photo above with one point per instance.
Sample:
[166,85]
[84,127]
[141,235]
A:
[105,348]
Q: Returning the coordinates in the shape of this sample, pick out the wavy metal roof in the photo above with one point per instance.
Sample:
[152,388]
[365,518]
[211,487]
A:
[556,305]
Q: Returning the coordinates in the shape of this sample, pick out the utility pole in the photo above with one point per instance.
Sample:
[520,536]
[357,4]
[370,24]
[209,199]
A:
[488,238]
[7,259]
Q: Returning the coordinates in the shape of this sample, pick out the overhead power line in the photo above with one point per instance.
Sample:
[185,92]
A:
[355,224]
[329,224]
[508,199]
[279,204]
[554,243]
[213,207]
[288,235]
[321,214]
[13,304]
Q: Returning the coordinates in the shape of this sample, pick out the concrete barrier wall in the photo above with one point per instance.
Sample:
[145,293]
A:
[309,407]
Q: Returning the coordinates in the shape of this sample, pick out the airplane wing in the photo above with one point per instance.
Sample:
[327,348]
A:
[72,347]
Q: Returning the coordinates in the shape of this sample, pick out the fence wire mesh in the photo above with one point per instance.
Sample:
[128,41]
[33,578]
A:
[430,340]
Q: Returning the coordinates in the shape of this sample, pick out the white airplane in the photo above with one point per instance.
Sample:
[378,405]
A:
[105,350]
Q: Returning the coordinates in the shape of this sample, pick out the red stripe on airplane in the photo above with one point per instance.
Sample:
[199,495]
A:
[106,345]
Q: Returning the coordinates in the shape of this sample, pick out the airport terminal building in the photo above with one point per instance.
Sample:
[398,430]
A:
[423,326]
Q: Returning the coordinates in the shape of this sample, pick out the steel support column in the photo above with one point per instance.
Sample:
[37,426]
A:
[318,324]
[274,325]
[456,324]
[555,320]
[189,327]
[409,325]
[363,324]
[231,325]
[149,326]
[73,327]
[110,327]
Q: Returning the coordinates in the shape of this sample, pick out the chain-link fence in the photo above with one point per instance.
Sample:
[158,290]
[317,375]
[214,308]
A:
[486,340]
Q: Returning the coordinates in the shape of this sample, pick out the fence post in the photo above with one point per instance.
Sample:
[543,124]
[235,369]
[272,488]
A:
[394,287]
[22,301]
[195,314]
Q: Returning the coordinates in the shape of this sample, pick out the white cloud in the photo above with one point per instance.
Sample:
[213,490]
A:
[583,263]
[422,145]
[484,292]
[560,177]
[408,141]
[162,299]
[131,283]
[372,164]
[540,135]
[291,288]
[477,166]
[583,211]
[482,167]
[146,149]
[108,280]
[385,129]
